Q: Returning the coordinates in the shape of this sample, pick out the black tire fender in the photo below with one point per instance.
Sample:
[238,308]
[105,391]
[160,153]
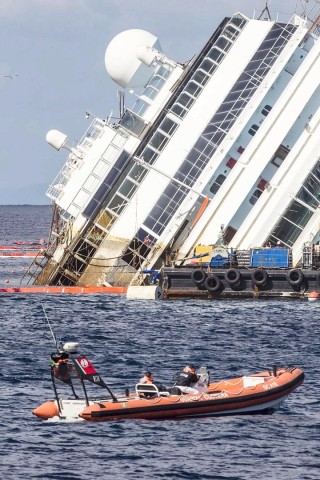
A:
[259,277]
[232,276]
[198,276]
[295,277]
[212,283]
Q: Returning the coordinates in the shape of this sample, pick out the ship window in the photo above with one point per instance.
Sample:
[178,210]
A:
[255,196]
[150,92]
[223,43]
[101,168]
[117,204]
[186,100]
[119,140]
[105,219]
[122,161]
[91,184]
[200,77]
[208,66]
[149,155]
[164,72]
[193,89]
[168,126]
[81,198]
[179,110]
[216,137]
[137,173]
[132,122]
[266,109]
[127,188]
[217,183]
[157,82]
[298,214]
[238,21]
[253,130]
[111,153]
[280,155]
[307,197]
[310,190]
[216,55]
[140,107]
[230,32]
[159,141]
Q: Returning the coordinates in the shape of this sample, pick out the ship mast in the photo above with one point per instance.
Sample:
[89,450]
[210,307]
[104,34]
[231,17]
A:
[266,11]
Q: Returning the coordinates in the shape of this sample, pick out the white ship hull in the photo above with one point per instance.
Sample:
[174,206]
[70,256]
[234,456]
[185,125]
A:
[220,151]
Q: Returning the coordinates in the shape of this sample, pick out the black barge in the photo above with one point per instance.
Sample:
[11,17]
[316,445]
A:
[251,274]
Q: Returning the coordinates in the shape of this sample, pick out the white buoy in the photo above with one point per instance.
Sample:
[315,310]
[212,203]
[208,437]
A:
[149,292]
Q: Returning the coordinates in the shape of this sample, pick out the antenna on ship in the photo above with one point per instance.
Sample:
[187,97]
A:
[121,102]
[266,11]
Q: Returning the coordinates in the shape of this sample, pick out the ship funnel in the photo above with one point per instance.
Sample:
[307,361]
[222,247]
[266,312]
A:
[56,139]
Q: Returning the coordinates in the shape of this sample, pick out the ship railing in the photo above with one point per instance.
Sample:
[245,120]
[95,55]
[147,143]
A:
[74,162]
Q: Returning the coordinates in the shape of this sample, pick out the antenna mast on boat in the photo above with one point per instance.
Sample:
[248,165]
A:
[266,11]
[52,332]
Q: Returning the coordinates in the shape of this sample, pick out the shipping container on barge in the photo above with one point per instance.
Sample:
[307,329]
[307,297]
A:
[224,145]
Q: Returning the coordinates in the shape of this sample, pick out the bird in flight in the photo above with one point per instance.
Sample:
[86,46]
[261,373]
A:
[11,76]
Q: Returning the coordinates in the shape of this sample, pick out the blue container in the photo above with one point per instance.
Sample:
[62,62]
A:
[269,257]
[218,261]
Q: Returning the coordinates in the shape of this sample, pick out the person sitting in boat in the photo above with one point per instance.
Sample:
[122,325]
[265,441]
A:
[148,379]
[186,379]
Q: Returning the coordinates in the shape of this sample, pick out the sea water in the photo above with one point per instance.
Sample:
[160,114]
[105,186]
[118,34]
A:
[123,339]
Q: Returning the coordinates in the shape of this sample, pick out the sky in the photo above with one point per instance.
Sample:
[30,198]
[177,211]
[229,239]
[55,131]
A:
[52,71]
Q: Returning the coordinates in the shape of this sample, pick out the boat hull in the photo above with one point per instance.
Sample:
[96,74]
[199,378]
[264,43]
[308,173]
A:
[233,397]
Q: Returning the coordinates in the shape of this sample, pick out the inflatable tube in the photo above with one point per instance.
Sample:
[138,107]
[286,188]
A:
[150,292]
[198,276]
[295,277]
[212,283]
[259,277]
[47,410]
[232,276]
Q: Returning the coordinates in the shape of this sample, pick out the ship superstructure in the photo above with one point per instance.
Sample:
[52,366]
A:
[223,149]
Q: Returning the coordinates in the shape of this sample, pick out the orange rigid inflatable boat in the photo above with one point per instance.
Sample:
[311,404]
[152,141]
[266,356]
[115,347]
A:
[258,393]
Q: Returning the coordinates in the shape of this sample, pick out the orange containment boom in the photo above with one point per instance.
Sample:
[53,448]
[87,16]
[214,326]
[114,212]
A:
[61,289]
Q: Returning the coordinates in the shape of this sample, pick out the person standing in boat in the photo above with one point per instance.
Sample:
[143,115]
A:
[187,378]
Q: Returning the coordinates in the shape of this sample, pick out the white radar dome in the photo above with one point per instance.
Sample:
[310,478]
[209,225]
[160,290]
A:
[56,139]
[129,57]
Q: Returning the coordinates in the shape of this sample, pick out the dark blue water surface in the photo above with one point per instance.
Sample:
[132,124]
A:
[123,339]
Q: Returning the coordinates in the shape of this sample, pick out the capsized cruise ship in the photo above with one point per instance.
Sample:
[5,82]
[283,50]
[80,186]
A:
[222,150]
